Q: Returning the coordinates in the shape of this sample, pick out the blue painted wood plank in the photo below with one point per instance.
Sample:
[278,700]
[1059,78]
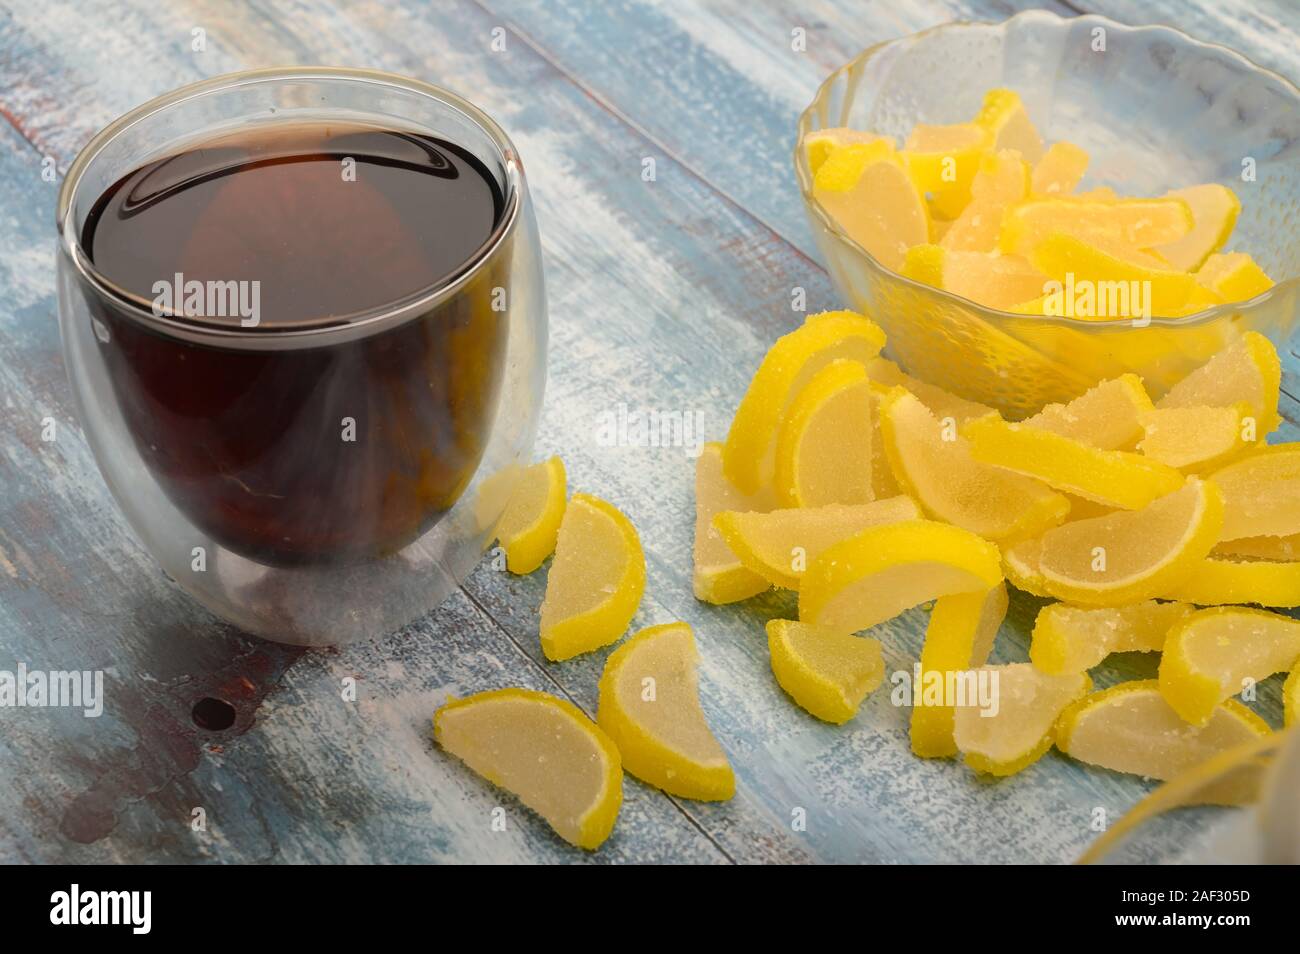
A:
[718,85]
[1263,30]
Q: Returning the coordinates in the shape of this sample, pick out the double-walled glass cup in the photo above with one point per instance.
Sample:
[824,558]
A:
[311,483]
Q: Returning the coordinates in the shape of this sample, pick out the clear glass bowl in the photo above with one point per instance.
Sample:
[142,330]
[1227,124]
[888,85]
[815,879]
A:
[1156,110]
[225,446]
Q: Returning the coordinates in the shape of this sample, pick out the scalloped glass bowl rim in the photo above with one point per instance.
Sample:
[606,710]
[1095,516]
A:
[832,227]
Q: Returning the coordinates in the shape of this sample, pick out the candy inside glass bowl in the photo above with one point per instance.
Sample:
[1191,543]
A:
[1155,109]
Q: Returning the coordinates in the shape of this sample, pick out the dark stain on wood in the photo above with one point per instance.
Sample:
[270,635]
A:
[169,742]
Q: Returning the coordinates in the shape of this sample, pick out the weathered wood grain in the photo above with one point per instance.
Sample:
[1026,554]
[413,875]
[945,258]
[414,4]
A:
[664,294]
[717,85]
[1265,31]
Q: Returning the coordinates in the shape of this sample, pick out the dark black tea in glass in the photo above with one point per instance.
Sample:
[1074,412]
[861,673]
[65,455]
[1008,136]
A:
[311,332]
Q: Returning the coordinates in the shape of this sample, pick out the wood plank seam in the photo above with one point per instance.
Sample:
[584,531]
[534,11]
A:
[641,132]
[25,135]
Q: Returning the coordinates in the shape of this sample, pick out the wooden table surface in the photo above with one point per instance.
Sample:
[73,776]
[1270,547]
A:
[663,295]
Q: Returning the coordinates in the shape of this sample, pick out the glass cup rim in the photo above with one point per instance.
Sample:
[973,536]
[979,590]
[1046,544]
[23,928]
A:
[804,174]
[338,328]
